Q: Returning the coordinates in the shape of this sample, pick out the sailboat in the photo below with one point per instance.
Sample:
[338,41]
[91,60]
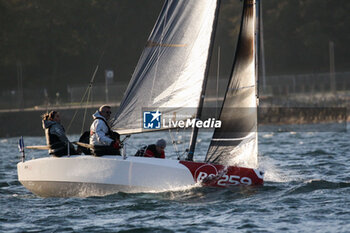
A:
[170,78]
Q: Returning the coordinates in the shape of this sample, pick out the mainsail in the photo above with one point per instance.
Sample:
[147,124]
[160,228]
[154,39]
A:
[173,65]
[235,143]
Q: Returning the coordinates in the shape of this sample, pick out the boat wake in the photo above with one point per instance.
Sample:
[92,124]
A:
[271,171]
[198,194]
[245,155]
[176,189]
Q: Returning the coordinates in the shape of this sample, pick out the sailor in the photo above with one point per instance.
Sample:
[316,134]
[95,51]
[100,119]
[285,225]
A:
[103,139]
[153,150]
[55,135]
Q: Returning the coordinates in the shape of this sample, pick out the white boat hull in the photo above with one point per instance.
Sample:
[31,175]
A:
[96,176]
[83,176]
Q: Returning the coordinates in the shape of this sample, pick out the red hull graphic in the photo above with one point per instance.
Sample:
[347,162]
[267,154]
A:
[221,176]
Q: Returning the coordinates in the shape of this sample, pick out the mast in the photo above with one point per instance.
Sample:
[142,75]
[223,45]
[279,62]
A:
[204,85]
[260,44]
[259,58]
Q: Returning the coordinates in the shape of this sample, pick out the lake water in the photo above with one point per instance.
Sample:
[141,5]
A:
[307,189]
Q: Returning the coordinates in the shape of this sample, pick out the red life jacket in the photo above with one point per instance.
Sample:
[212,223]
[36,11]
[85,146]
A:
[150,151]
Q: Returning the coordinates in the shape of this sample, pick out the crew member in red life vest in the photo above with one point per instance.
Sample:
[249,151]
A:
[104,140]
[156,150]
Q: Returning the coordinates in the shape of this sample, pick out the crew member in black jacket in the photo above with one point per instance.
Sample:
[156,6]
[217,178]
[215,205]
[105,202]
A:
[55,135]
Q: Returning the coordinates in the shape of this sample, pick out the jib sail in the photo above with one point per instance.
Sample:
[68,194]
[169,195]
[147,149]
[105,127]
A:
[235,143]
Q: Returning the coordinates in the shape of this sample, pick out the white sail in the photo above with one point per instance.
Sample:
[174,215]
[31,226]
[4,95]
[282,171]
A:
[172,67]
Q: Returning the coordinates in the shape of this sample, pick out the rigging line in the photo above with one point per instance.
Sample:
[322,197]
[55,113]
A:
[85,111]
[174,144]
[83,98]
[88,99]
[183,135]
[88,90]
[217,82]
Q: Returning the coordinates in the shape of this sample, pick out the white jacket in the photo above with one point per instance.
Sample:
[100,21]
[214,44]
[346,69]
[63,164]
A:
[99,131]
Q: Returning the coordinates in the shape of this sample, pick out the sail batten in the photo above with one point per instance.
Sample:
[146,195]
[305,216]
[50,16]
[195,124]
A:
[171,69]
[235,143]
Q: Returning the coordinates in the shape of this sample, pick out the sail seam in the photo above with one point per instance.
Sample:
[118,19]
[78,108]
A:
[155,44]
[243,87]
[234,139]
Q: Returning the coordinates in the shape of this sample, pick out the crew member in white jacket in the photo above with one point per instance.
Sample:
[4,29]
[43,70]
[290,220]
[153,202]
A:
[104,140]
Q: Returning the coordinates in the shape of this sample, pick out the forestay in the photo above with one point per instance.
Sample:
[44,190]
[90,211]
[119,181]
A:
[235,143]
[172,67]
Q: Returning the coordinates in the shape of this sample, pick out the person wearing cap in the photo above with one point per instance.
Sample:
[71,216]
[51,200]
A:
[156,150]
[103,139]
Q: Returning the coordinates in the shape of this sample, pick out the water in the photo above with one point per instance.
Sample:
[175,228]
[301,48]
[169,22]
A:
[307,187]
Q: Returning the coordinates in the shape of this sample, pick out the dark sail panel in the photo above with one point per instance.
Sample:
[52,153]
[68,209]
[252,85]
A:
[235,143]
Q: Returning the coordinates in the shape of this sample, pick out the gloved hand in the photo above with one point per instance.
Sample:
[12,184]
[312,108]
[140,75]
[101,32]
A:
[115,144]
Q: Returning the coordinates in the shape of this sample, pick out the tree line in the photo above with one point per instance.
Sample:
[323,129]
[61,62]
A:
[59,43]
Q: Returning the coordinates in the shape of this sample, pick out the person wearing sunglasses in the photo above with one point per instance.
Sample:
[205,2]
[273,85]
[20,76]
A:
[103,139]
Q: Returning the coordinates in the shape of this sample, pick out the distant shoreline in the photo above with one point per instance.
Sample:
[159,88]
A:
[27,122]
